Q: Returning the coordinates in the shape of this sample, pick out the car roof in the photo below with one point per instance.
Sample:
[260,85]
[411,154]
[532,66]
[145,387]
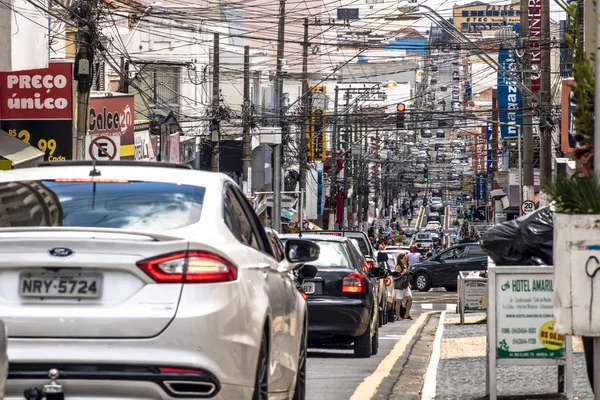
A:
[314,237]
[207,179]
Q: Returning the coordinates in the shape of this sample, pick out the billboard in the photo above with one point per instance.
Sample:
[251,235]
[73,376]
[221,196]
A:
[489,153]
[509,97]
[36,106]
[114,116]
[567,127]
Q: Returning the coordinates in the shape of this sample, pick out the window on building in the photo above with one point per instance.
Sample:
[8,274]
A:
[480,13]
[162,84]
[465,13]
[464,26]
[347,13]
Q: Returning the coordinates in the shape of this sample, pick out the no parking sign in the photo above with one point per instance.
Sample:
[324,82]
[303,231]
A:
[102,148]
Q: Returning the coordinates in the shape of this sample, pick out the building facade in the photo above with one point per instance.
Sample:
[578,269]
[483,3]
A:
[479,16]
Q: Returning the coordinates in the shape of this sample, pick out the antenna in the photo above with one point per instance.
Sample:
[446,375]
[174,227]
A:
[94,171]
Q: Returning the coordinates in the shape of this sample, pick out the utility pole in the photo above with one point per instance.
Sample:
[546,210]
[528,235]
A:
[246,134]
[306,108]
[84,60]
[526,131]
[334,136]
[546,97]
[215,128]
[347,157]
[279,120]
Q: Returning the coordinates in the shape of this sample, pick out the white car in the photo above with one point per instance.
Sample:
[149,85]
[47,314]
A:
[135,280]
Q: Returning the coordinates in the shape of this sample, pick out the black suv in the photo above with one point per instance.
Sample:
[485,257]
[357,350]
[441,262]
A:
[442,269]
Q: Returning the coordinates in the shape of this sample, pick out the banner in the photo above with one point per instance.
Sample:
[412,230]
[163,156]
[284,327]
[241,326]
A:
[535,34]
[36,106]
[567,128]
[509,97]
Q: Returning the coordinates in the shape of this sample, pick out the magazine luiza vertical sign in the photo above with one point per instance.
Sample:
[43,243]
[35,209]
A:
[520,324]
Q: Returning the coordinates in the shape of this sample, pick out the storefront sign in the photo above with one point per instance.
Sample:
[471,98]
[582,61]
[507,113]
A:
[509,97]
[535,34]
[144,150]
[475,295]
[525,317]
[36,106]
[114,116]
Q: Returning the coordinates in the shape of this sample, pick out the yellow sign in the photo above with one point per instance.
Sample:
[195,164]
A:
[550,339]
[5,165]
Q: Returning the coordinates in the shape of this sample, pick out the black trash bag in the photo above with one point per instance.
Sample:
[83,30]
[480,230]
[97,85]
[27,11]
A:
[525,241]
[537,235]
[500,242]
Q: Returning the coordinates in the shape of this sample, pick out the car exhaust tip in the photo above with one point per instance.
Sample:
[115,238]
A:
[187,388]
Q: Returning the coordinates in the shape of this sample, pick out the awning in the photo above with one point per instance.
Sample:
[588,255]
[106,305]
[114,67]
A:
[19,153]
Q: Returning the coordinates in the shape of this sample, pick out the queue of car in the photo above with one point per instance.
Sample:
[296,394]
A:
[124,272]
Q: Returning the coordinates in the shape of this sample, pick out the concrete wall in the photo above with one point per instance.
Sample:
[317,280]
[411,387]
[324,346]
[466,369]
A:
[23,36]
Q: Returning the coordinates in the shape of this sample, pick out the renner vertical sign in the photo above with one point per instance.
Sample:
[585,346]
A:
[509,97]
[535,34]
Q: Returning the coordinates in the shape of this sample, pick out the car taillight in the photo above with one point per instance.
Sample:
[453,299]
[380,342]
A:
[170,370]
[369,265]
[388,281]
[353,283]
[189,267]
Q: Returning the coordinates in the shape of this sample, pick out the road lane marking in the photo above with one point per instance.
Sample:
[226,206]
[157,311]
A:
[430,382]
[368,387]
[450,307]
[427,306]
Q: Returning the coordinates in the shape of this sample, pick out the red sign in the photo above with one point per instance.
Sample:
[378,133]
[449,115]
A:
[37,94]
[535,34]
[113,116]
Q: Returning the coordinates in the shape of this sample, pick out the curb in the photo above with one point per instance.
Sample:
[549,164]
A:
[430,381]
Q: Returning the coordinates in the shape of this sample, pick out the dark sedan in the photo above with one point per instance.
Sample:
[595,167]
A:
[342,299]
[442,269]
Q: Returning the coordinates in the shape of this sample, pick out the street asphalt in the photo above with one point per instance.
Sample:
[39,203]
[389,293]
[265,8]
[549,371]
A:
[403,357]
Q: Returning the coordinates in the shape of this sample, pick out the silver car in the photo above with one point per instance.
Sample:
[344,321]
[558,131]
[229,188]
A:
[125,281]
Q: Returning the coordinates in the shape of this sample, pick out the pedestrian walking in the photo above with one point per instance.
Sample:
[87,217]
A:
[413,257]
[402,288]
[409,217]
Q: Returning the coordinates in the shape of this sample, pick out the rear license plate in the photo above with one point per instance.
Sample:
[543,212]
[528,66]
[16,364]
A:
[308,287]
[60,285]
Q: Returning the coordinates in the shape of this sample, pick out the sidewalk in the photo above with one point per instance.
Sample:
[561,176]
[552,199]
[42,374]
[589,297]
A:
[462,367]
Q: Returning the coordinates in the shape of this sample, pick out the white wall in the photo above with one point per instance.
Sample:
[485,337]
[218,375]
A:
[23,36]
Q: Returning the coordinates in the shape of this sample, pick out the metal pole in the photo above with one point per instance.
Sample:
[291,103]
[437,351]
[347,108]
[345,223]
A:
[334,136]
[246,134]
[278,119]
[301,212]
[215,129]
[526,131]
[306,110]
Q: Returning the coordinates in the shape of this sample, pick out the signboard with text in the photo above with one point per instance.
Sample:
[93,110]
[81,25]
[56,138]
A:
[475,295]
[567,127]
[36,106]
[525,317]
[535,34]
[114,116]
[509,97]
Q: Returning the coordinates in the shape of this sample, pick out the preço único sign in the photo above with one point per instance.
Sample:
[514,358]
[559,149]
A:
[525,317]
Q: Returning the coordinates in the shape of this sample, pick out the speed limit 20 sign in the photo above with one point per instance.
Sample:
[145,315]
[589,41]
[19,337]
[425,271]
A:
[527,207]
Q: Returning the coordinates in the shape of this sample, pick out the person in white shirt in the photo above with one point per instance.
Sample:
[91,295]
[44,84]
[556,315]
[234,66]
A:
[413,257]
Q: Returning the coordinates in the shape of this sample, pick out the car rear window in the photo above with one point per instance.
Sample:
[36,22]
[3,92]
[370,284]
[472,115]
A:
[101,203]
[332,255]
[362,243]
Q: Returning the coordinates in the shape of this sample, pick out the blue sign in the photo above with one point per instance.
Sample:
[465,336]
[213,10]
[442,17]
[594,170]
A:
[488,141]
[509,97]
[481,186]
[320,191]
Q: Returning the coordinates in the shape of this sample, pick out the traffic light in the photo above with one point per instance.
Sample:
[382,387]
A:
[400,115]
[425,175]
